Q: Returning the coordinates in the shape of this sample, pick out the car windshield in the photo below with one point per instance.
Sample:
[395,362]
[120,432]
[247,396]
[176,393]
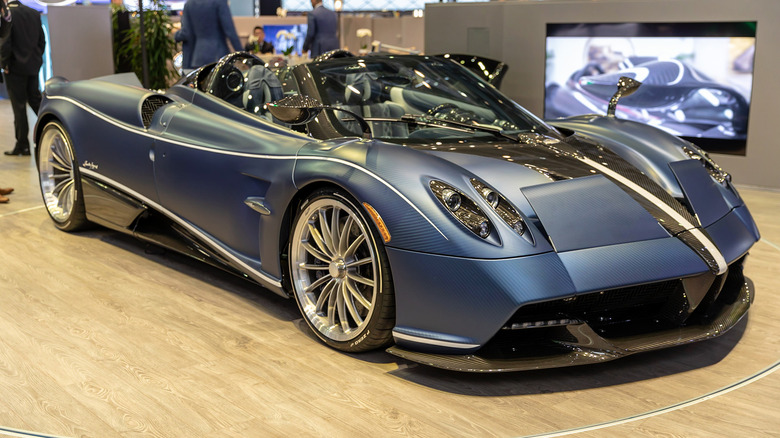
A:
[383,89]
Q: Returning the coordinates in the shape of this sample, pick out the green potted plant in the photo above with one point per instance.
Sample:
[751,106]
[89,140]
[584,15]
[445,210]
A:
[160,46]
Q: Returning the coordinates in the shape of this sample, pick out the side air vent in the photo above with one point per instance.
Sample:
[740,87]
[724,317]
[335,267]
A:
[150,105]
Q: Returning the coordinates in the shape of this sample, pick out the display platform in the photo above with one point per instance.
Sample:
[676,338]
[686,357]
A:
[101,337]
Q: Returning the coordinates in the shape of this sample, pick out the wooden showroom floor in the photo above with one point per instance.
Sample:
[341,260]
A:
[100,339]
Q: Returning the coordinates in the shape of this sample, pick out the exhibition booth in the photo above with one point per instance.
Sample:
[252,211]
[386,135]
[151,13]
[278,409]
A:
[516,33]
[499,218]
[519,34]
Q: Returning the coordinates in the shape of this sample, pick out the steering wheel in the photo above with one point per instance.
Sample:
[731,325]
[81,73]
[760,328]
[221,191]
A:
[233,82]
[439,108]
[451,111]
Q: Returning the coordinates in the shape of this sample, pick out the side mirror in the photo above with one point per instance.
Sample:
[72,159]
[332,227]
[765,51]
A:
[300,110]
[625,87]
[296,110]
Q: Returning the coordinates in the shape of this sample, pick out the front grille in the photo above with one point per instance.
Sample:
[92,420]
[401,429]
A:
[722,293]
[536,342]
[655,303]
[540,329]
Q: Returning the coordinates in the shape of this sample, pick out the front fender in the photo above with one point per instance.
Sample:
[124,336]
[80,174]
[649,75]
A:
[394,180]
[660,155]
[648,148]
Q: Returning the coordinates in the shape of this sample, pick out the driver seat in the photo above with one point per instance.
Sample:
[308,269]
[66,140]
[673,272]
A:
[362,96]
[262,86]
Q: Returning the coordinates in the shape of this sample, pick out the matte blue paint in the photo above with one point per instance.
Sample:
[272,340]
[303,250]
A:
[201,158]
[734,234]
[608,267]
[647,148]
[470,298]
[592,211]
[701,191]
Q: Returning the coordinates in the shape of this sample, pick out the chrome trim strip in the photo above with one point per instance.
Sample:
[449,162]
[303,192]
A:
[256,204]
[429,341]
[265,277]
[145,133]
[695,231]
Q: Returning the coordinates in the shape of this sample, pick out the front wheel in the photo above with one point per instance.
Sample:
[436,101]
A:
[340,274]
[60,178]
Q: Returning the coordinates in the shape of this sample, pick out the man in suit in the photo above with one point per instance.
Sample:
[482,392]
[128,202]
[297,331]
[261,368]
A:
[206,26]
[21,57]
[256,42]
[5,29]
[5,20]
[322,32]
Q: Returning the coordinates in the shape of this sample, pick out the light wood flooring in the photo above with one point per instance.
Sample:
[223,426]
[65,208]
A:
[100,339]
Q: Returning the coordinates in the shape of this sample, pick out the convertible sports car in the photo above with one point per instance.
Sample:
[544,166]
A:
[403,202]
[675,97]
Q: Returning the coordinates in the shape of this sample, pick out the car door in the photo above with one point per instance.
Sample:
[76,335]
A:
[213,160]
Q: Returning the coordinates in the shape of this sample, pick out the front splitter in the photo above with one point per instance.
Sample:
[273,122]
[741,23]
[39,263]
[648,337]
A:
[590,347]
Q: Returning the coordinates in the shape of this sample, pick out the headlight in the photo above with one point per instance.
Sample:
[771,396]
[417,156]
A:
[451,198]
[463,208]
[489,195]
[501,206]
[696,153]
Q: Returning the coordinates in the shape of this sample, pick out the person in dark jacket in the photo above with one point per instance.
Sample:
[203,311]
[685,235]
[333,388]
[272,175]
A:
[256,42]
[5,29]
[21,57]
[5,17]
[206,27]
[322,32]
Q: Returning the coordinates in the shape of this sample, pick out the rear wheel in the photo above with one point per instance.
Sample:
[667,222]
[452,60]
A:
[60,179]
[340,273]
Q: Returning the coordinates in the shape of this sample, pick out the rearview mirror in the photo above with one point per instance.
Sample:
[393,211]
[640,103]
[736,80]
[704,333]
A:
[626,86]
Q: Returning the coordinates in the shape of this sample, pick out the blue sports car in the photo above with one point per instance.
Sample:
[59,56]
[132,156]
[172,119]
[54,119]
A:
[405,203]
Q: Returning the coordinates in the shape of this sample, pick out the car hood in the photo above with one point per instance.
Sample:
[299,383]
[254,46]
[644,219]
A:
[581,195]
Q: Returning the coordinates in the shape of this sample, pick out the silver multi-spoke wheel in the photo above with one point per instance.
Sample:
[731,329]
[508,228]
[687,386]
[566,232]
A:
[337,273]
[59,179]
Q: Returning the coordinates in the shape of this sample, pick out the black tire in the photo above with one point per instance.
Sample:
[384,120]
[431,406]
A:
[341,278]
[60,178]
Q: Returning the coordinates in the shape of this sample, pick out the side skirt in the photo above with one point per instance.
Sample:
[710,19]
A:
[114,209]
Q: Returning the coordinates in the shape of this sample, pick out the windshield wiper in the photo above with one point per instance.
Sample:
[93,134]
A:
[423,120]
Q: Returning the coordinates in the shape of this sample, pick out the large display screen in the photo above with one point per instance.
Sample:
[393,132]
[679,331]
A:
[283,36]
[697,77]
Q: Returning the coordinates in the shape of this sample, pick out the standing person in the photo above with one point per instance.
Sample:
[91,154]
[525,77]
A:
[206,26]
[257,43]
[322,32]
[5,191]
[5,18]
[5,29]
[21,57]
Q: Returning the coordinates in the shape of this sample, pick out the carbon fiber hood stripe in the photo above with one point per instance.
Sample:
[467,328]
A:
[577,157]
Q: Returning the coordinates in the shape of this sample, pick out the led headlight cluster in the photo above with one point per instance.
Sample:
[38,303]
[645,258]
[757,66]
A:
[501,206]
[463,208]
